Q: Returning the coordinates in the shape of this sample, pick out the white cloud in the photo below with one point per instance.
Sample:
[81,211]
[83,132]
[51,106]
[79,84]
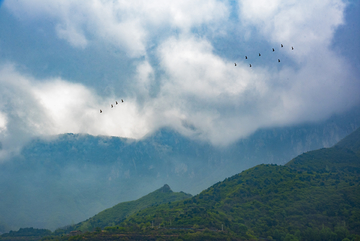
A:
[303,24]
[54,106]
[186,85]
[207,97]
[75,37]
[124,24]
[3,122]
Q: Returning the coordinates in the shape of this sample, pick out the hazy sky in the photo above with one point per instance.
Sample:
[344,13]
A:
[172,62]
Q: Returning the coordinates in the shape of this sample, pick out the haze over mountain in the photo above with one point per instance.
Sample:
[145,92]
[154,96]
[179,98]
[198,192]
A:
[67,179]
[173,64]
[315,196]
[190,116]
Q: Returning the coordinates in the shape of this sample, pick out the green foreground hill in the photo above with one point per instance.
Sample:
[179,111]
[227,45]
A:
[119,212]
[108,217]
[316,196]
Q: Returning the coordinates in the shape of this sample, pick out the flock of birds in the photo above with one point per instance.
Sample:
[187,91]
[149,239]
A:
[122,101]
[273,49]
[112,105]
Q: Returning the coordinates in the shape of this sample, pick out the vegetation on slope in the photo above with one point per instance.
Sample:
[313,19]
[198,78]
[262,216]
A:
[351,142]
[316,196]
[268,201]
[25,234]
[119,212]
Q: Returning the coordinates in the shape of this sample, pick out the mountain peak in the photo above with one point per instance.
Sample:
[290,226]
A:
[166,188]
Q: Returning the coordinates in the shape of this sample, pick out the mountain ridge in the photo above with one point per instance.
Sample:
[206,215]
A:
[121,210]
[57,181]
[278,202]
[297,201]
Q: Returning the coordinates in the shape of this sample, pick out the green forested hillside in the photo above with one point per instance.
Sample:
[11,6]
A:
[316,196]
[119,212]
[343,157]
[351,142]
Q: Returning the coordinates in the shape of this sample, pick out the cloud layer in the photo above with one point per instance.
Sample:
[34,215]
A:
[125,25]
[180,81]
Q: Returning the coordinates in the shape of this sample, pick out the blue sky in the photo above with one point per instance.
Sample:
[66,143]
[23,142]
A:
[173,64]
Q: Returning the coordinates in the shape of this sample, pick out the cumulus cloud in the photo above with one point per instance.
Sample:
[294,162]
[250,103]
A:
[183,83]
[208,97]
[40,108]
[3,122]
[305,24]
[126,25]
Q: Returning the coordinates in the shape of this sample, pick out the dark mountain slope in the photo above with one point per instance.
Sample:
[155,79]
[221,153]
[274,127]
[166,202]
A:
[267,200]
[69,178]
[351,142]
[344,156]
[316,196]
[120,211]
[333,159]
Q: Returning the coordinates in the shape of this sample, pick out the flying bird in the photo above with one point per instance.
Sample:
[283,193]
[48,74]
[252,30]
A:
[279,60]
[122,100]
[273,49]
[250,65]
[116,102]
[112,106]
[235,64]
[100,111]
[259,54]
[282,45]
[245,57]
[292,48]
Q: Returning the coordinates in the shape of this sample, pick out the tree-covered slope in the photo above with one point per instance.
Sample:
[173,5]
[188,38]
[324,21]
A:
[351,142]
[68,178]
[316,196]
[119,212]
[267,200]
[344,156]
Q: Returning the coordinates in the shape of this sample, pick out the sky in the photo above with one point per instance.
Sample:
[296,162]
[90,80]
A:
[173,64]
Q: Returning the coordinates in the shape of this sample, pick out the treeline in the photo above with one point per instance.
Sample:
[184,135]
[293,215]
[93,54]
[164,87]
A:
[267,202]
[314,197]
[28,234]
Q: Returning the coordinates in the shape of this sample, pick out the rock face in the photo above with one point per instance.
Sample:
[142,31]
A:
[72,177]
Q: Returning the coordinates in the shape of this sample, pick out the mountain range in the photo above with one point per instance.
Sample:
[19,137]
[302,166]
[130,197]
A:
[61,180]
[315,196]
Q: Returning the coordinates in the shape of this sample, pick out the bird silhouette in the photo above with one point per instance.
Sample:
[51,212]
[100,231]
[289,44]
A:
[122,100]
[292,48]
[250,65]
[279,60]
[100,111]
[259,54]
[112,106]
[116,102]
[235,64]
[245,57]
[282,45]
[273,49]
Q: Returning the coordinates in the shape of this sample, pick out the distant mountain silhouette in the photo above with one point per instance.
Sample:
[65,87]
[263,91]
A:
[71,177]
[315,196]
